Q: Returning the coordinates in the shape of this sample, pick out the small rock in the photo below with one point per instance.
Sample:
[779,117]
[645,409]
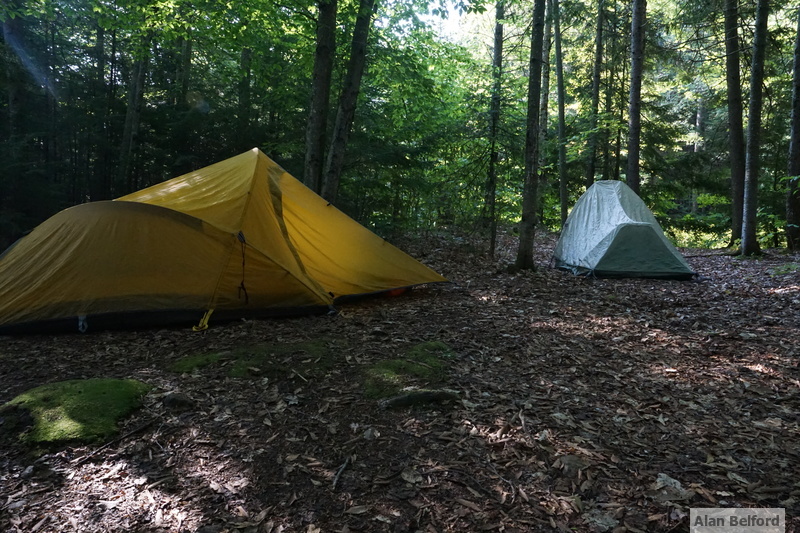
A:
[28,472]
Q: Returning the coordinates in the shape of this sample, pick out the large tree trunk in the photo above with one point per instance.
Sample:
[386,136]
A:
[320,94]
[494,125]
[347,103]
[635,107]
[752,162]
[793,192]
[735,123]
[527,226]
[562,136]
[591,148]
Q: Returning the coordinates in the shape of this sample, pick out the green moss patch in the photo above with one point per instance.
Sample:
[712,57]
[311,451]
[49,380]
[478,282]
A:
[195,362]
[78,410]
[266,360]
[787,268]
[423,365]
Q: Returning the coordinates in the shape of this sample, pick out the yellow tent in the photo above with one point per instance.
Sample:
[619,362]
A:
[238,237]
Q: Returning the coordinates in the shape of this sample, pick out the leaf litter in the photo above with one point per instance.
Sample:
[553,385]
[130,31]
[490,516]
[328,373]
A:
[578,404]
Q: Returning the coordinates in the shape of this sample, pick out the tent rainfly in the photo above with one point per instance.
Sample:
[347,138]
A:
[610,232]
[239,237]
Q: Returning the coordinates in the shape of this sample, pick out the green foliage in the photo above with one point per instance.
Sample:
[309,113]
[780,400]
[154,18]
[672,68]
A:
[79,410]
[419,153]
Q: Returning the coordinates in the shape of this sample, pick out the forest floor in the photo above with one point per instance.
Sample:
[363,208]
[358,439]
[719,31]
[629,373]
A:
[584,405]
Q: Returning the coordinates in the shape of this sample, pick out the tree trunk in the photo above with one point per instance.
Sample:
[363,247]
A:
[591,148]
[562,137]
[12,35]
[608,109]
[544,97]
[527,226]
[245,99]
[348,100]
[494,123]
[130,132]
[793,192]
[320,94]
[183,70]
[544,108]
[735,123]
[635,107]
[96,161]
[752,157]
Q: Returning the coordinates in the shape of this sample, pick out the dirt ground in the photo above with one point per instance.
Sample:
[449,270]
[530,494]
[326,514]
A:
[583,405]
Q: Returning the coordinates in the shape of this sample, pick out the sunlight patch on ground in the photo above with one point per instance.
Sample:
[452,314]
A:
[784,290]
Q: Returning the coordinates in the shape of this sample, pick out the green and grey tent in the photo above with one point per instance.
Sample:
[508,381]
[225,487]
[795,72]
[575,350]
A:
[611,233]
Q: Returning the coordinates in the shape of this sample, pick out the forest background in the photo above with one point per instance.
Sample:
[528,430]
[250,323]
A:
[101,98]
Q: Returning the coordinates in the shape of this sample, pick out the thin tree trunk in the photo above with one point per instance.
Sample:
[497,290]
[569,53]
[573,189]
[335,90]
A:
[245,98]
[347,102]
[635,108]
[618,142]
[750,244]
[95,154]
[591,148]
[12,35]
[793,191]
[544,108]
[494,124]
[735,123]
[183,134]
[562,136]
[608,110]
[544,98]
[320,94]
[130,132]
[527,226]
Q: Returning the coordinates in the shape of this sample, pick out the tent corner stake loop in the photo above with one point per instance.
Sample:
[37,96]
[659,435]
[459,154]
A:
[203,325]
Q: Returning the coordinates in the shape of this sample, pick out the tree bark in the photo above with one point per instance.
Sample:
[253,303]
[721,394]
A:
[130,133]
[735,123]
[245,99]
[562,136]
[494,125]
[544,97]
[12,36]
[591,148]
[750,244]
[348,100]
[793,191]
[638,18]
[544,107]
[527,226]
[317,126]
